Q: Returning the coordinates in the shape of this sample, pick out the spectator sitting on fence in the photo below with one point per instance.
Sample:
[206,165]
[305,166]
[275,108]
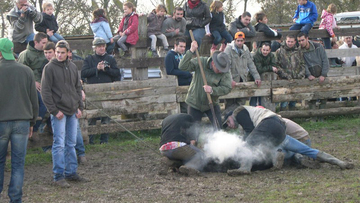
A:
[264,61]
[261,26]
[328,22]
[216,70]
[100,68]
[242,65]
[172,61]
[155,20]
[34,57]
[22,18]
[217,27]
[305,16]
[291,65]
[348,44]
[178,145]
[128,29]
[242,24]
[266,131]
[101,28]
[175,26]
[49,24]
[18,113]
[316,64]
[65,112]
[197,15]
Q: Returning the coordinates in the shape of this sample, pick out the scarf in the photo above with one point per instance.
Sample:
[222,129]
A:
[126,21]
[193,5]
[99,19]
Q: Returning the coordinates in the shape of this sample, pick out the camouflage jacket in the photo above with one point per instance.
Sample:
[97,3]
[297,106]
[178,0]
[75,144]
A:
[291,63]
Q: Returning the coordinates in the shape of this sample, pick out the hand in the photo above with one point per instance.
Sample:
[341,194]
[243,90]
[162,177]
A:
[194,46]
[111,40]
[233,84]
[170,30]
[31,132]
[101,66]
[333,39]
[83,96]
[59,115]
[294,20]
[311,77]
[258,83]
[207,89]
[193,142]
[321,79]
[177,31]
[274,69]
[208,34]
[122,34]
[38,86]
[78,114]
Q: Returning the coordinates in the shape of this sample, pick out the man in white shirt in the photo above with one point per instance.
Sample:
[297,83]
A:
[348,44]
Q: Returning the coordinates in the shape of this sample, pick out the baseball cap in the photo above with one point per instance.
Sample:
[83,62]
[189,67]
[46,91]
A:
[6,49]
[239,35]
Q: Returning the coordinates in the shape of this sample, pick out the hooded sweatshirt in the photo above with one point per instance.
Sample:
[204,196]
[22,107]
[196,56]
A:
[306,13]
[328,22]
[61,88]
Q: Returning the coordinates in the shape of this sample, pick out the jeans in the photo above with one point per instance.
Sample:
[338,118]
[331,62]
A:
[121,43]
[154,39]
[104,138]
[55,38]
[255,101]
[197,114]
[218,36]
[198,33]
[303,28]
[110,47]
[63,150]
[79,147]
[327,43]
[42,112]
[30,37]
[290,146]
[17,132]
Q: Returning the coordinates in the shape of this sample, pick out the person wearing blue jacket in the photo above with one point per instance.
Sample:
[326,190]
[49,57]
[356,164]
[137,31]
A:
[101,28]
[305,16]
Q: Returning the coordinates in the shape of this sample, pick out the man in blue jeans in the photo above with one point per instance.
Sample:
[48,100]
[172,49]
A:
[61,93]
[267,129]
[305,16]
[18,111]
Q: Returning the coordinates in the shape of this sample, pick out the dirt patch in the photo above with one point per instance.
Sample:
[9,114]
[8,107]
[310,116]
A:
[119,175]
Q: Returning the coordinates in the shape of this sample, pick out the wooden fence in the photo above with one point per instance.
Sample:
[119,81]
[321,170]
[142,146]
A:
[152,100]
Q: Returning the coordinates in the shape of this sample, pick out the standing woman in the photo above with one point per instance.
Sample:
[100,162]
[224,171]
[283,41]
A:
[101,28]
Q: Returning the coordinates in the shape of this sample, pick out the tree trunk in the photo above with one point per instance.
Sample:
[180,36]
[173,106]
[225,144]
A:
[3,27]
[245,5]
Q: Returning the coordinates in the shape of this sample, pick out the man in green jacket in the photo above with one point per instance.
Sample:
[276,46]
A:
[216,69]
[33,56]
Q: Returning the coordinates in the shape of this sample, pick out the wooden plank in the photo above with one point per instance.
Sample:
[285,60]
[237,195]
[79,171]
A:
[316,95]
[139,62]
[331,53]
[320,112]
[168,81]
[129,94]
[343,71]
[306,82]
[132,126]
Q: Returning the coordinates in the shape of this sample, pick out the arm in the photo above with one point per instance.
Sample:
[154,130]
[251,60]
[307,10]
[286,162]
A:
[78,90]
[56,25]
[296,13]
[233,28]
[325,62]
[88,70]
[248,31]
[224,86]
[121,25]
[187,63]
[183,27]
[207,16]
[113,71]
[252,68]
[207,27]
[329,25]
[36,16]
[262,68]
[107,30]
[40,27]
[313,13]
[165,26]
[133,25]
[34,100]
[46,93]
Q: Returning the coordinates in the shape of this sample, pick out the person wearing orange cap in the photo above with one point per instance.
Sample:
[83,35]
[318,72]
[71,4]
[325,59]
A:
[241,65]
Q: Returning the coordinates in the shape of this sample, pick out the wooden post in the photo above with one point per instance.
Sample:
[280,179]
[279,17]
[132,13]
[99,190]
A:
[141,73]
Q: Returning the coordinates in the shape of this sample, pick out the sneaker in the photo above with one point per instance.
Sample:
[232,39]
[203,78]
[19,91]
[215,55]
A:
[188,171]
[127,54]
[76,178]
[82,160]
[62,183]
[155,54]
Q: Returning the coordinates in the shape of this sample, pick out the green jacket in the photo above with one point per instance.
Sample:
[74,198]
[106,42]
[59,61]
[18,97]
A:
[291,63]
[196,96]
[264,63]
[33,58]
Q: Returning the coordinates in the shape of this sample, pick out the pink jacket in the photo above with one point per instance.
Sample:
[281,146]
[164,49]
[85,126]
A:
[132,28]
[328,22]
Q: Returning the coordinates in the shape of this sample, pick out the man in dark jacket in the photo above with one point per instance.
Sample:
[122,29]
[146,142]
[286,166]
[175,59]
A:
[197,15]
[18,112]
[242,24]
[261,26]
[100,68]
[178,139]
[61,93]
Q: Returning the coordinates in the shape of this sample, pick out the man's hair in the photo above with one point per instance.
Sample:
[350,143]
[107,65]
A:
[246,14]
[39,36]
[178,40]
[260,16]
[63,44]
[47,5]
[302,34]
[267,44]
[49,46]
[291,36]
[178,9]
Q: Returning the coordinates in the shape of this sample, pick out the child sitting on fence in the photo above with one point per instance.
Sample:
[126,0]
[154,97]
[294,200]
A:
[217,27]
[101,28]
[155,20]
[261,26]
[305,16]
[49,24]
[128,28]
